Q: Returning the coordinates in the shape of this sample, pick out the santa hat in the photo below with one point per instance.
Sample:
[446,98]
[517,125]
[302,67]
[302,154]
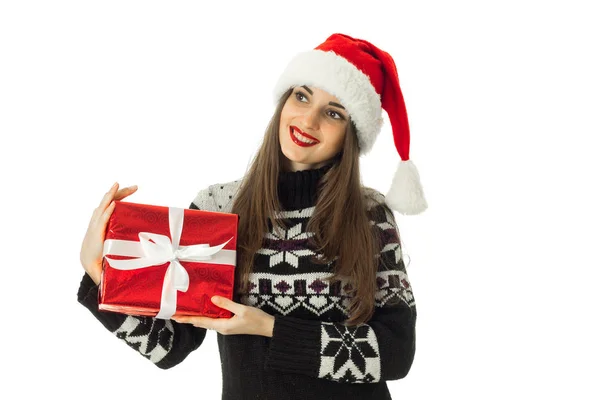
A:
[364,78]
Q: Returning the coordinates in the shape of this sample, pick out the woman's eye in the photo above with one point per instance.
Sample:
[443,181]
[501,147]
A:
[335,113]
[300,94]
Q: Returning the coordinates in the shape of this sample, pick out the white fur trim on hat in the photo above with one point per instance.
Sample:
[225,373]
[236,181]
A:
[406,193]
[336,75]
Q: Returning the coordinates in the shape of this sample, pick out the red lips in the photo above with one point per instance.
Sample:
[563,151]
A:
[298,142]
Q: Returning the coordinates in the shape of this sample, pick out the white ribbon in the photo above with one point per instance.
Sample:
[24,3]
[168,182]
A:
[164,250]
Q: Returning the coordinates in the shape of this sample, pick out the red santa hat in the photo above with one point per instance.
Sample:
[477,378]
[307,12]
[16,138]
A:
[364,78]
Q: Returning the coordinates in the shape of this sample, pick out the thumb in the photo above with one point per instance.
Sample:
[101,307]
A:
[219,300]
[225,303]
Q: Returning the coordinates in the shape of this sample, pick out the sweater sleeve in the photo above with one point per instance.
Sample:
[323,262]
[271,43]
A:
[381,349]
[164,342]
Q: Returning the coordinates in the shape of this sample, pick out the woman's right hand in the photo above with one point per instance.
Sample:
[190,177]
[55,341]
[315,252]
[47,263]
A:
[93,242]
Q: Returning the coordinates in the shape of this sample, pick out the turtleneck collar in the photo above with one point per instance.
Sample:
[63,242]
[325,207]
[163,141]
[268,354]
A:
[298,189]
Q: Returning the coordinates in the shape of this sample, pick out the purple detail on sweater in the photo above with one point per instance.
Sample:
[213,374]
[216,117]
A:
[390,235]
[300,287]
[318,286]
[335,288]
[394,281]
[283,286]
[380,282]
[286,245]
[264,286]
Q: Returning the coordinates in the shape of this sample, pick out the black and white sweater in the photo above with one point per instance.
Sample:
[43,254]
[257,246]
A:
[311,355]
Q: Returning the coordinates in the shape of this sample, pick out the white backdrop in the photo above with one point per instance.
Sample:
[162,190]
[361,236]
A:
[502,99]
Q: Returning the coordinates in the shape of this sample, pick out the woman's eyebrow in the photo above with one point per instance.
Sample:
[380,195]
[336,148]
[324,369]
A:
[307,89]
[331,103]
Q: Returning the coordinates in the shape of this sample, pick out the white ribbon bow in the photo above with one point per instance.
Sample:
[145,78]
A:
[164,250]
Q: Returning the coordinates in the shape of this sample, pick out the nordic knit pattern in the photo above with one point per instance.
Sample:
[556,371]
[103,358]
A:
[310,345]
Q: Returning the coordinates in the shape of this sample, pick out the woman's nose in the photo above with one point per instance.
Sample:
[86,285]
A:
[311,119]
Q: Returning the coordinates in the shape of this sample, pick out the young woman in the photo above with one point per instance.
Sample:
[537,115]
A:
[323,307]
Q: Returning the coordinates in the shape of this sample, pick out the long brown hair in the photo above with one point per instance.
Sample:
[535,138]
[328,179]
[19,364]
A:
[341,207]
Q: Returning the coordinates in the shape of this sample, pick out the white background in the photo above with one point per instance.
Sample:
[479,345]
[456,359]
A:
[503,104]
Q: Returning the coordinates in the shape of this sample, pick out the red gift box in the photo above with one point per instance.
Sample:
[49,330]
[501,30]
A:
[164,261]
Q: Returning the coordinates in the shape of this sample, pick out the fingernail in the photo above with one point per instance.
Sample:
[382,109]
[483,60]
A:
[114,185]
[133,187]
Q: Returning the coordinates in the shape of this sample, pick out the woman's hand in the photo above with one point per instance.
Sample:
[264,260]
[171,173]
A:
[93,242]
[247,320]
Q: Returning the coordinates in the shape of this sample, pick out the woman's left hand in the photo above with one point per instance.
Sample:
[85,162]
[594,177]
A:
[246,320]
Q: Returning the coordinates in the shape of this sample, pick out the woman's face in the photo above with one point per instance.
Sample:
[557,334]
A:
[312,128]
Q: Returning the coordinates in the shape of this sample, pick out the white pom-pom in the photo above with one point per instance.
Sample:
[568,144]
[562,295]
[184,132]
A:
[406,193]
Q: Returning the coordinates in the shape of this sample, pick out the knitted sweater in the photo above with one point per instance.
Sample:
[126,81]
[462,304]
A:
[312,354]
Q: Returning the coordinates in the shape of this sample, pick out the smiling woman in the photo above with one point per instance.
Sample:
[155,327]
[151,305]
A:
[322,297]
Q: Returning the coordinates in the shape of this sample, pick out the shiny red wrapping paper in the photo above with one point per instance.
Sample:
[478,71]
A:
[138,291]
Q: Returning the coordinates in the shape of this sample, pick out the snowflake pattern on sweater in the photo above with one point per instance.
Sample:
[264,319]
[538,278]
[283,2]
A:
[349,354]
[287,248]
[152,337]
